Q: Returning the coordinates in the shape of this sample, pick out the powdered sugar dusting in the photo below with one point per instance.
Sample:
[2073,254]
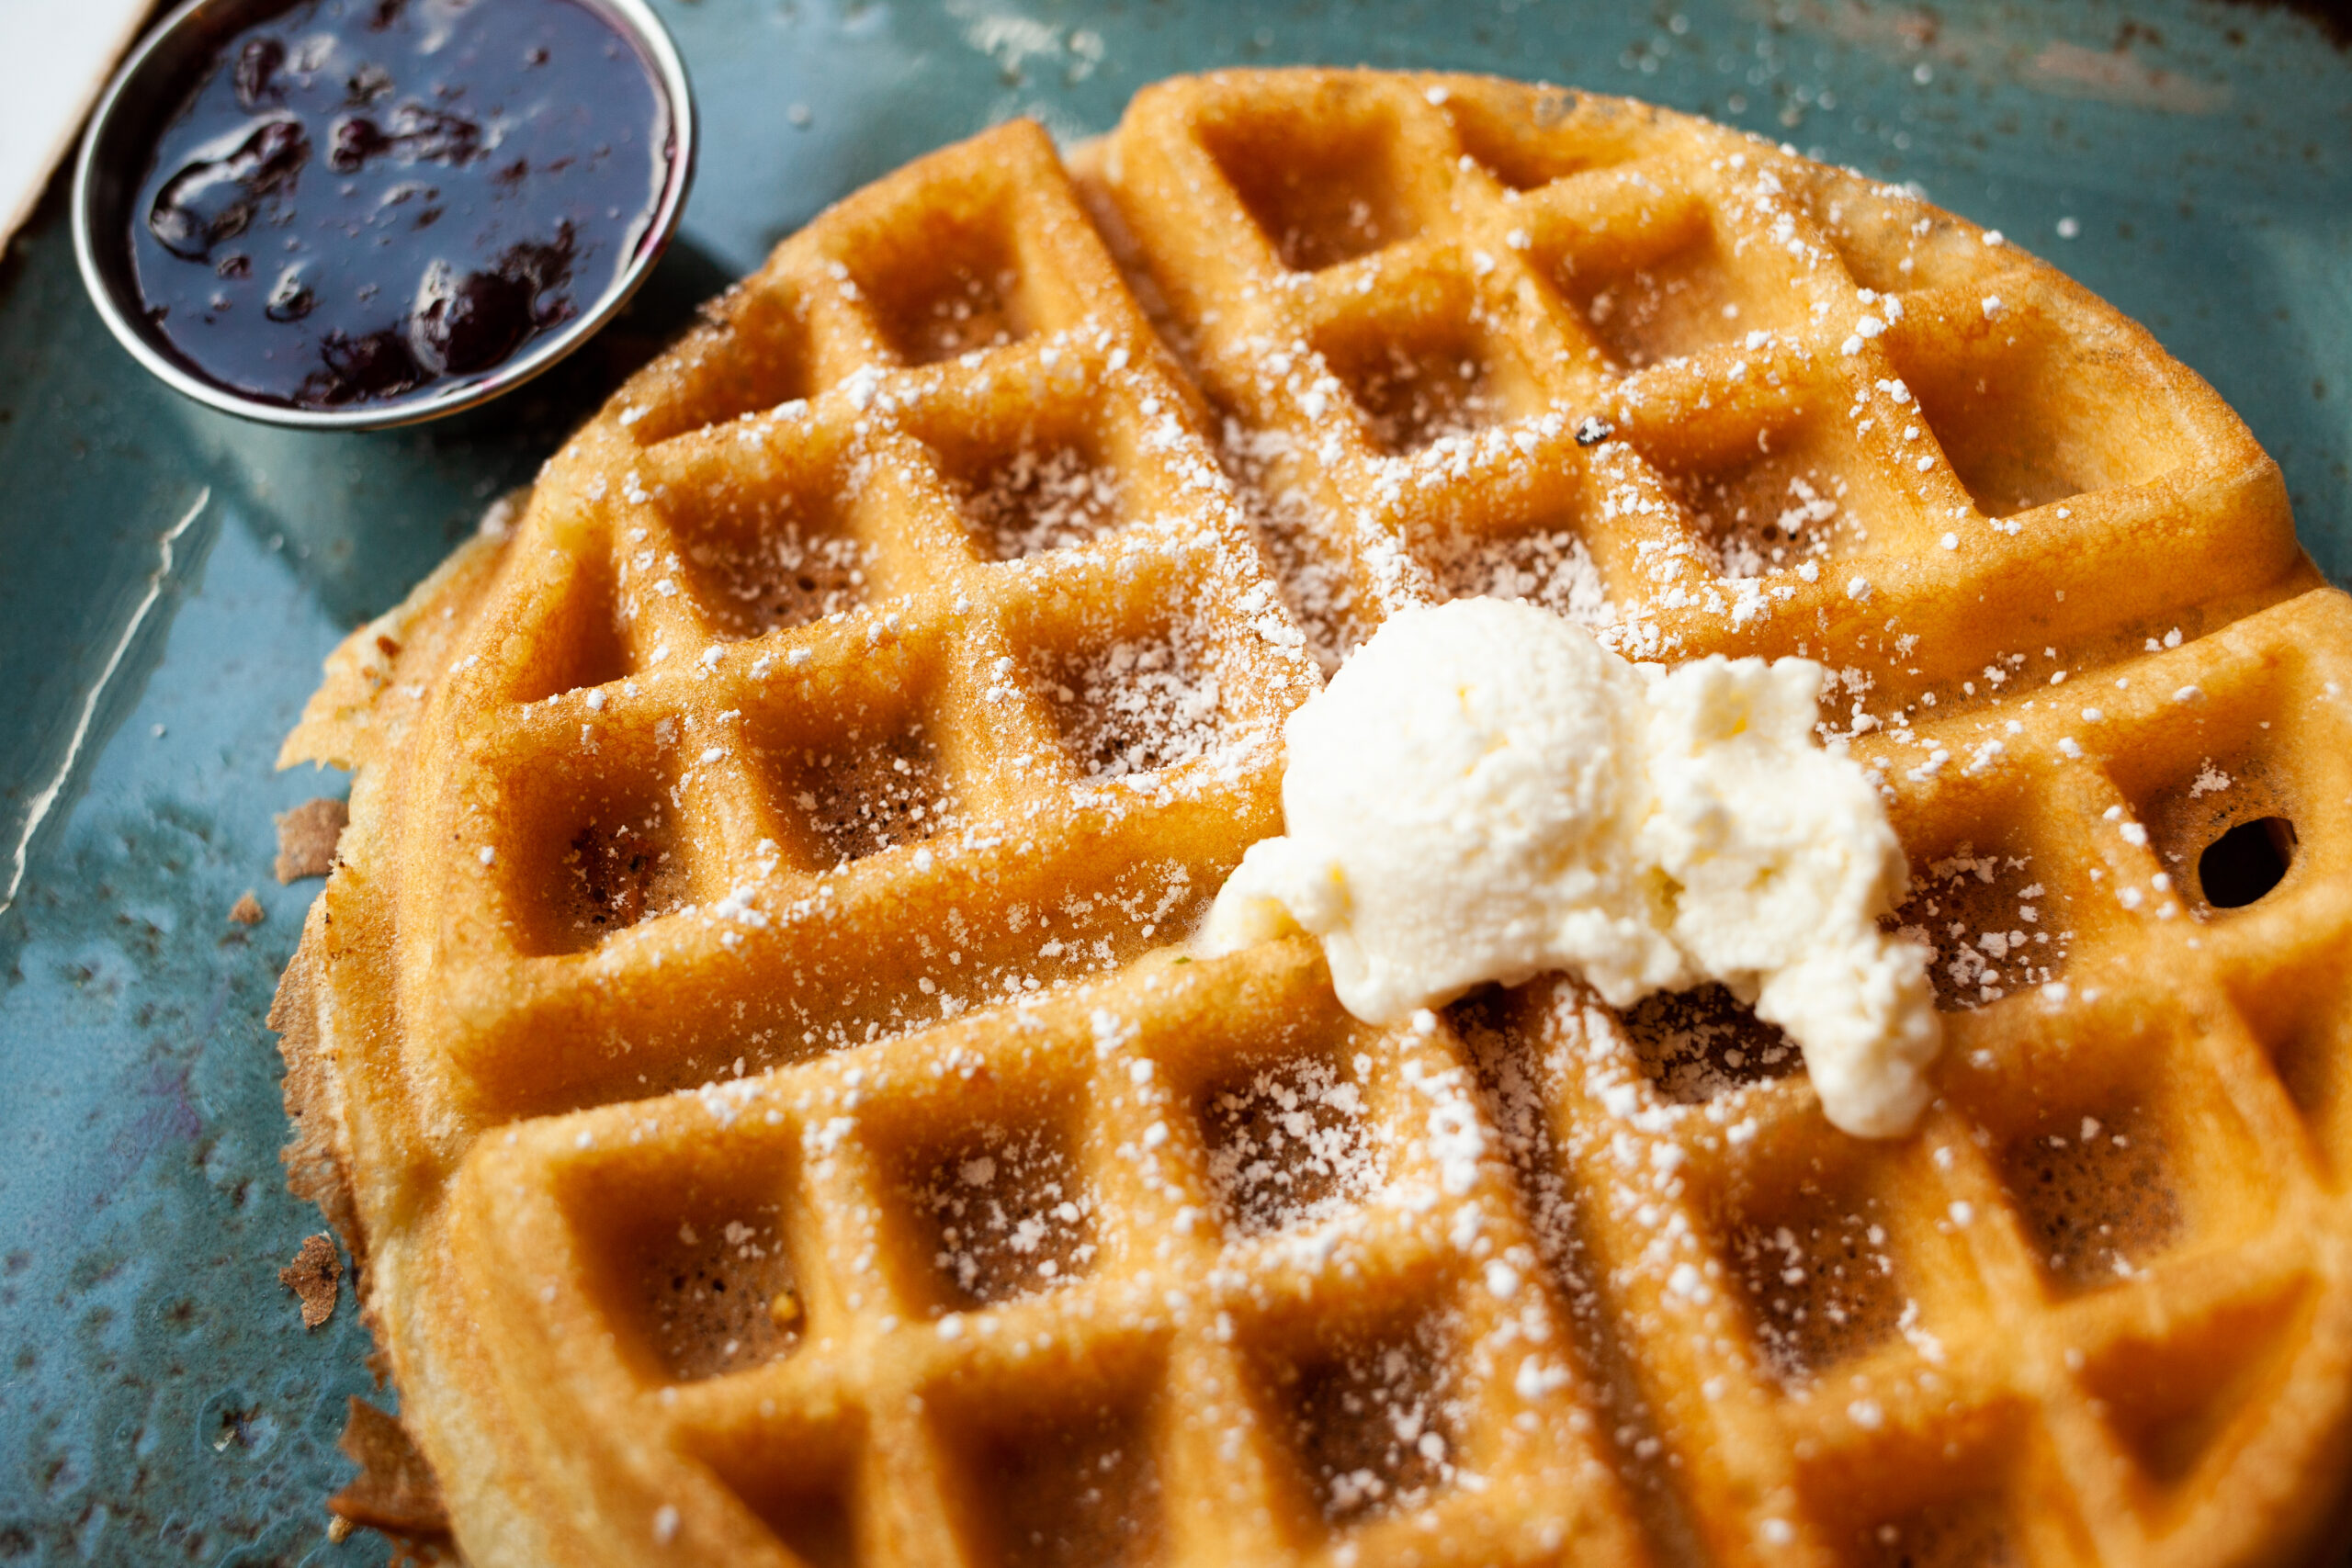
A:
[1136,705]
[1288,1146]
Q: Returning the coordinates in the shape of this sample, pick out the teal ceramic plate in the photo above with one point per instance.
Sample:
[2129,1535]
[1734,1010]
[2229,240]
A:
[170,579]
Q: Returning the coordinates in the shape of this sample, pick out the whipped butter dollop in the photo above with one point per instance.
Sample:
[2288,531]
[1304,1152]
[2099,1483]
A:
[1484,793]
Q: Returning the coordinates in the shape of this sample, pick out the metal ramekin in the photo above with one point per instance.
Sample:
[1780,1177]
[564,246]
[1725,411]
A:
[111,167]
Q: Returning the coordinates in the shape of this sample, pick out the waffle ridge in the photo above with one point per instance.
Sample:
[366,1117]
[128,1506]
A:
[744,1035]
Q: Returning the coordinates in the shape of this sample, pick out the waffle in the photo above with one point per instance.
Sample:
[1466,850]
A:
[748,1041]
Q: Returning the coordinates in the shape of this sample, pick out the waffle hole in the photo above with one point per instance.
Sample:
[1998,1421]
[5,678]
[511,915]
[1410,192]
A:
[2096,1196]
[1699,1044]
[2223,831]
[1522,144]
[1004,1214]
[1374,1419]
[784,564]
[958,294]
[2174,1403]
[1552,569]
[1683,300]
[1289,1145]
[1136,705]
[1050,496]
[1820,1280]
[1995,927]
[798,1492]
[1320,199]
[578,644]
[1077,1488]
[703,1292]
[2041,422]
[615,865]
[1424,387]
[860,797]
[2245,863]
[1776,500]
[1967,1532]
[753,359]
[1882,245]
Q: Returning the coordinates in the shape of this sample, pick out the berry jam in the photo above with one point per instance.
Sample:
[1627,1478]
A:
[363,197]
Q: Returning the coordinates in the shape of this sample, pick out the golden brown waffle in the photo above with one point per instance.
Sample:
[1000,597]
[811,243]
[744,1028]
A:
[743,1040]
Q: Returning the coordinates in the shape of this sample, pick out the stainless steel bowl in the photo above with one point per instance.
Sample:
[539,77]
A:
[149,88]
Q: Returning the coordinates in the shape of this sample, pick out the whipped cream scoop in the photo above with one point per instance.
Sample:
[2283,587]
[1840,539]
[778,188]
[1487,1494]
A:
[1484,793]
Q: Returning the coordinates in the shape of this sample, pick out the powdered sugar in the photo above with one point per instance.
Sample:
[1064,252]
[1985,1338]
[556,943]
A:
[1136,705]
[1288,1146]
[1041,498]
[1011,1215]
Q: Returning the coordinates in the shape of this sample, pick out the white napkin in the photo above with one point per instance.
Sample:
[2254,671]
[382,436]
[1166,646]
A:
[55,56]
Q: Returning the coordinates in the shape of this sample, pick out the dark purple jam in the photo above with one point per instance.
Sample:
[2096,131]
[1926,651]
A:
[363,197]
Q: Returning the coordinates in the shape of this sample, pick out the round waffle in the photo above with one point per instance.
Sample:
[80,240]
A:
[747,1040]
